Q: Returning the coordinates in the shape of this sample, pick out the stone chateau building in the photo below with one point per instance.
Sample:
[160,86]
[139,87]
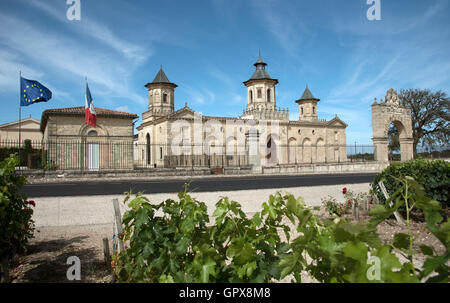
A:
[29,128]
[72,144]
[169,137]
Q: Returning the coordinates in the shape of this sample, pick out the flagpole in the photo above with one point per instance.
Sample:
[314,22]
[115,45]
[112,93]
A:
[20,112]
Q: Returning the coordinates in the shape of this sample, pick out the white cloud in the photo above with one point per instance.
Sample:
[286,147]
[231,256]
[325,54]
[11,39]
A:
[286,26]
[66,56]
[100,32]
[10,66]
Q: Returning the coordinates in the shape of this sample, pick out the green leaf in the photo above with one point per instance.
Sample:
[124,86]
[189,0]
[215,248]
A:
[427,250]
[401,241]
[208,269]
[432,263]
[220,210]
[257,219]
[148,250]
[166,279]
[290,263]
[182,245]
[246,270]
[141,217]
[356,251]
[241,251]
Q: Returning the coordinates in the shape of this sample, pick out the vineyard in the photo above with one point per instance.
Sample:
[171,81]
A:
[174,241]
[350,239]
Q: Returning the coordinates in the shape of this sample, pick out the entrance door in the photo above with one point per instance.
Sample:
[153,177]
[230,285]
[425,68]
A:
[93,163]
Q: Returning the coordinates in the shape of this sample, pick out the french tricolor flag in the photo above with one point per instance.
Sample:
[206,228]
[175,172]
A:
[89,112]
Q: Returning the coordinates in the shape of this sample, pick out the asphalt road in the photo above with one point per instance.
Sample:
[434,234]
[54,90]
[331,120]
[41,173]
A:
[198,185]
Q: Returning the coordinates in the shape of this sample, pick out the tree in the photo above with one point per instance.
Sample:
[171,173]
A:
[430,116]
[394,140]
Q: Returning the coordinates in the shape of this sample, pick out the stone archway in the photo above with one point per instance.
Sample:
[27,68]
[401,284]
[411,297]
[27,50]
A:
[384,114]
[307,150]
[292,151]
[320,151]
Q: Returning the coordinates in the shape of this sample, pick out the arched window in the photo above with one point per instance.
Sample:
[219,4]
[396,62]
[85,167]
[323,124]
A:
[92,133]
[259,93]
[251,96]
[314,109]
[164,98]
[268,95]
[302,109]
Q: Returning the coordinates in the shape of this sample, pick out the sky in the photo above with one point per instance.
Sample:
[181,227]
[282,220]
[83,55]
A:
[208,48]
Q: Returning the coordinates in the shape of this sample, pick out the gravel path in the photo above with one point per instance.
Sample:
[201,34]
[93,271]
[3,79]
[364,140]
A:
[92,210]
[75,226]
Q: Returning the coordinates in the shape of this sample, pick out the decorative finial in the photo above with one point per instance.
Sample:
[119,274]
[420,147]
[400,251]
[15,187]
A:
[185,104]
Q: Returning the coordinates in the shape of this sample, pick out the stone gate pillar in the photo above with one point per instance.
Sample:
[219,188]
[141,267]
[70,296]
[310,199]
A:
[385,113]
[380,149]
[407,149]
[254,157]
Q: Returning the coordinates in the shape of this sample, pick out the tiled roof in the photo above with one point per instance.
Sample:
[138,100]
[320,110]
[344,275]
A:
[80,110]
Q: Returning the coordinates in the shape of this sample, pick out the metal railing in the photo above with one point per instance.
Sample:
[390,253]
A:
[93,154]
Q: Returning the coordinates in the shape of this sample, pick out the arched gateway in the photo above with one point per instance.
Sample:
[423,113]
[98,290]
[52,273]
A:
[384,114]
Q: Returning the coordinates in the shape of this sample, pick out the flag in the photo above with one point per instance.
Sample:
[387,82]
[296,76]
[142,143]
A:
[89,112]
[32,92]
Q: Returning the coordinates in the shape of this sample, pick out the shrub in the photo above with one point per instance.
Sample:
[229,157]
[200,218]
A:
[25,151]
[333,207]
[433,175]
[339,251]
[16,224]
[174,242]
[50,166]
[179,246]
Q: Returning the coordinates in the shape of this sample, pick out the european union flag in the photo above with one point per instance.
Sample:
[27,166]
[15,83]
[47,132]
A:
[33,92]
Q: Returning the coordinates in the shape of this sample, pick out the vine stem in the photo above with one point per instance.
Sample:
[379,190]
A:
[408,223]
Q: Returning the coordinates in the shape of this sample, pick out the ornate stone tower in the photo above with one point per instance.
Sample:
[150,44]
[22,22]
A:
[261,100]
[261,88]
[161,97]
[307,106]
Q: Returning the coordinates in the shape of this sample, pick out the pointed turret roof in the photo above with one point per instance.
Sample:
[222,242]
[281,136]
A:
[260,71]
[307,95]
[161,78]
[260,61]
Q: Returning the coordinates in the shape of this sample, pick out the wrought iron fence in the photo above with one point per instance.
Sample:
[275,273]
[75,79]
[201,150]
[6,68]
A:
[90,154]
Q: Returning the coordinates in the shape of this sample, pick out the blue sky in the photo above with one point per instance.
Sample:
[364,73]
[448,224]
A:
[208,47]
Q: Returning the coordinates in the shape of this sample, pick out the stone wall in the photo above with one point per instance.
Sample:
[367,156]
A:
[355,167]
